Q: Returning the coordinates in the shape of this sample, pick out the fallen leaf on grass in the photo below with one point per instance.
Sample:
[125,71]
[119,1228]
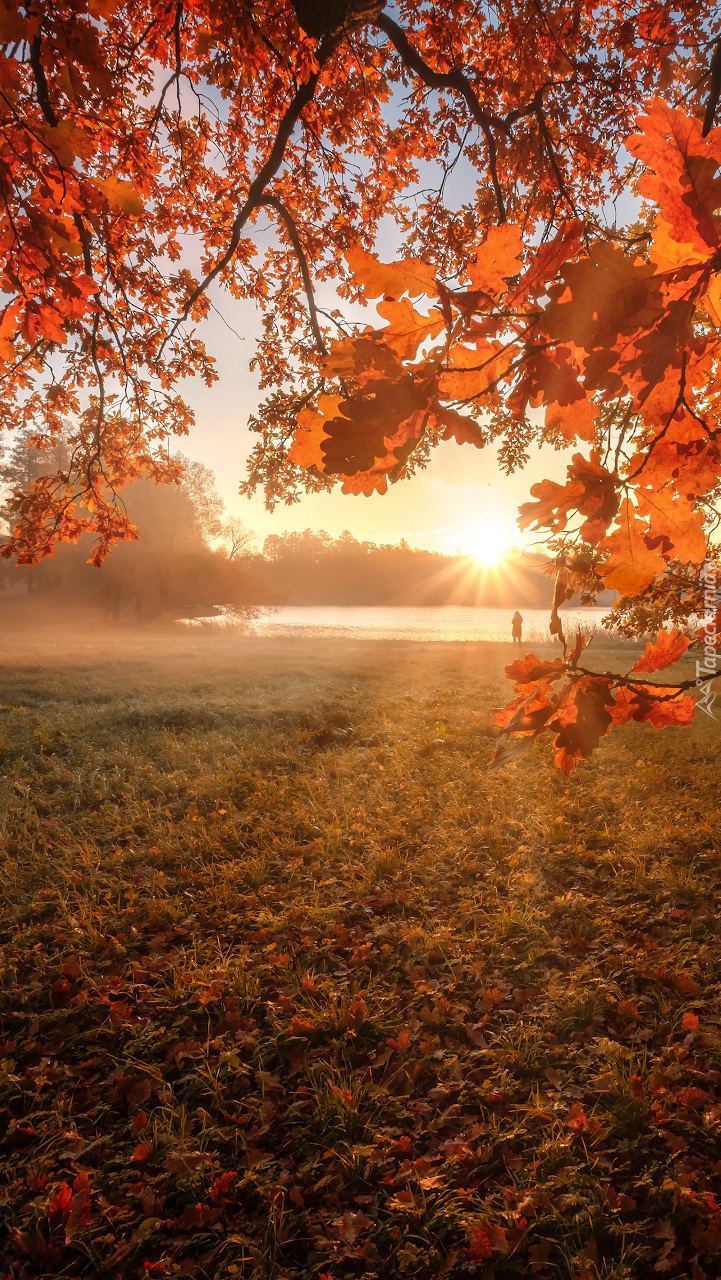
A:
[184,1161]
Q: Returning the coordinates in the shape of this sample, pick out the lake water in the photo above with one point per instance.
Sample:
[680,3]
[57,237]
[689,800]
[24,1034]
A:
[440,622]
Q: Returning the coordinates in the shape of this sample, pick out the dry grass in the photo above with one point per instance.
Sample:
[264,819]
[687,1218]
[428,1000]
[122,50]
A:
[292,987]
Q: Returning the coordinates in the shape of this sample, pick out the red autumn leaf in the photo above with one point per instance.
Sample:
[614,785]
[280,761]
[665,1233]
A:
[667,707]
[686,985]
[223,1184]
[60,1203]
[301,1027]
[480,1243]
[530,670]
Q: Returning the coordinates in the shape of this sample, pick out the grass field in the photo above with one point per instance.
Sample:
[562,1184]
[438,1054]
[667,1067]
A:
[291,987]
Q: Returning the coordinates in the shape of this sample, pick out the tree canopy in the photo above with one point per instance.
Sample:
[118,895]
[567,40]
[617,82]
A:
[552,172]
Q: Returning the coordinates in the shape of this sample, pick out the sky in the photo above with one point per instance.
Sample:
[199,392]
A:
[461,502]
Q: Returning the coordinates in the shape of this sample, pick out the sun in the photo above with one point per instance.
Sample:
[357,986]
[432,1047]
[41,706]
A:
[490,539]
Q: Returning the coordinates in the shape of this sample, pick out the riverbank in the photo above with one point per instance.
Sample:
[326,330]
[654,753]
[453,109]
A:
[291,986]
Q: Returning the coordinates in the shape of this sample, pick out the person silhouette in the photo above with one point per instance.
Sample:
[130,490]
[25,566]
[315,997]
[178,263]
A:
[517,627]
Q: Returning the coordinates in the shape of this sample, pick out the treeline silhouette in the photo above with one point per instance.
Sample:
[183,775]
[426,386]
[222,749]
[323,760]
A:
[191,559]
[312,568]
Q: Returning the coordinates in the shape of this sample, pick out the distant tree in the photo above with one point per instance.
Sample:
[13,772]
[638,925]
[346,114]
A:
[178,563]
[208,507]
[236,538]
[21,464]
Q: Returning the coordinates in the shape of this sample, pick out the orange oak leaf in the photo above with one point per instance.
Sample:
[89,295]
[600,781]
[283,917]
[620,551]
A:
[496,259]
[364,357]
[626,706]
[668,647]
[575,421]
[122,195]
[607,294]
[552,377]
[590,490]
[712,300]
[669,707]
[653,704]
[684,453]
[380,417]
[630,565]
[530,670]
[528,712]
[391,279]
[586,719]
[374,479]
[459,427]
[677,521]
[305,450]
[548,260]
[407,328]
[471,371]
[683,176]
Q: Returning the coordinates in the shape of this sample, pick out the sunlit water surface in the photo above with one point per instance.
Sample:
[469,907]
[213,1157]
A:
[440,622]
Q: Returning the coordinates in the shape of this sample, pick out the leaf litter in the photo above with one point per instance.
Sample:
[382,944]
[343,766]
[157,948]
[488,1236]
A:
[270,1010]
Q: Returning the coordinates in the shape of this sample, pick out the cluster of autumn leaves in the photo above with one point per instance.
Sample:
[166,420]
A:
[618,345]
[578,707]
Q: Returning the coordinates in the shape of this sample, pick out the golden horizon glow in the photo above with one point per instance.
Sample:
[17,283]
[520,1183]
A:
[489,539]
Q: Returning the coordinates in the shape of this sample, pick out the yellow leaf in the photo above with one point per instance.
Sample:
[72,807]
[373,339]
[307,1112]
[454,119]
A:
[122,194]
